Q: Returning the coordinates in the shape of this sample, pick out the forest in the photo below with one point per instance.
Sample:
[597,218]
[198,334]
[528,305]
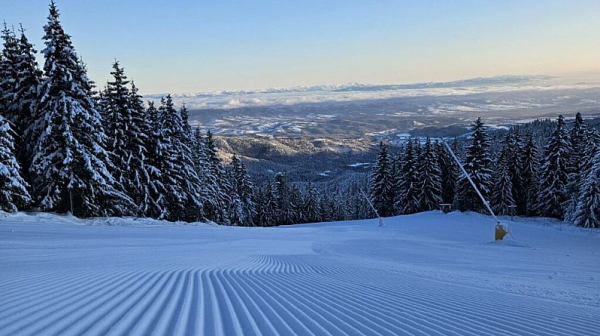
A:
[67,146]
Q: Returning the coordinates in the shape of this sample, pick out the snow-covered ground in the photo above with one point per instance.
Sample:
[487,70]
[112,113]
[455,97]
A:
[424,274]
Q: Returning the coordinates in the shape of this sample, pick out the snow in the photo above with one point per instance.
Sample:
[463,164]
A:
[423,274]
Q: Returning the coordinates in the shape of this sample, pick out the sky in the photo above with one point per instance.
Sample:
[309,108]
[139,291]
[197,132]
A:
[197,45]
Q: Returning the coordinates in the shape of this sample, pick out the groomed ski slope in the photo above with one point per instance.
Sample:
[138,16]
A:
[423,274]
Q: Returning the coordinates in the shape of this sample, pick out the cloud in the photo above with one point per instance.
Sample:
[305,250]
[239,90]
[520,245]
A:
[365,92]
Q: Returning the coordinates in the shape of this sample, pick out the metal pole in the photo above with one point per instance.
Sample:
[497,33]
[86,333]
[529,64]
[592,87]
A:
[372,207]
[487,205]
[71,201]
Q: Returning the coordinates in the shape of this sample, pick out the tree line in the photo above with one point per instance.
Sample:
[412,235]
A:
[562,181]
[66,146]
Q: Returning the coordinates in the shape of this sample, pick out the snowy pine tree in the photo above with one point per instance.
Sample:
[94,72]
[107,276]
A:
[281,192]
[576,163]
[530,175]
[127,139]
[147,180]
[408,196]
[70,165]
[429,178]
[178,175]
[23,99]
[13,188]
[9,76]
[157,190]
[587,213]
[244,192]
[554,177]
[449,172]
[221,198]
[514,157]
[502,193]
[478,166]
[311,204]
[382,185]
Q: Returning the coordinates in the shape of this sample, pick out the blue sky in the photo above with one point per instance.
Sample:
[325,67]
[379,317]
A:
[196,45]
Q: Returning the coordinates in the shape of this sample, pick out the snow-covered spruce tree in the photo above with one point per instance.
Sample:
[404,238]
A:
[324,208]
[587,212]
[157,189]
[267,217]
[281,193]
[449,172]
[515,170]
[382,185]
[502,193]
[430,189]
[149,176]
[576,163]
[395,172]
[13,188]
[70,165]
[591,148]
[196,193]
[554,176]
[127,140]
[530,175]
[208,182]
[244,190]
[23,100]
[8,75]
[296,205]
[408,195]
[214,210]
[478,166]
[311,204]
[178,175]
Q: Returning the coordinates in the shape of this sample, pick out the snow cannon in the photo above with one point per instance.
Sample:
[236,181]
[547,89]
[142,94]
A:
[500,232]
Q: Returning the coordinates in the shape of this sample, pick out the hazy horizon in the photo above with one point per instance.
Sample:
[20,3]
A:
[193,46]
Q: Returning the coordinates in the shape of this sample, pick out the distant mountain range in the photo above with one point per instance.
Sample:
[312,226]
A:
[361,87]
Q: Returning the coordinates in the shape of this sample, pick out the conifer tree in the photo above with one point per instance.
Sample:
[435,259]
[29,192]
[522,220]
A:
[214,209]
[8,75]
[193,187]
[70,165]
[591,148]
[448,172]
[429,178]
[514,156]
[311,204]
[478,166]
[127,140]
[13,188]
[157,190]
[178,175]
[297,211]
[502,194]
[244,191]
[23,100]
[554,176]
[408,196]
[269,206]
[381,188]
[575,166]
[208,182]
[587,213]
[148,178]
[530,175]
[282,199]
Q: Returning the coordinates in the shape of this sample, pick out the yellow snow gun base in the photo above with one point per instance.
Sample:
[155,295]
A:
[500,232]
